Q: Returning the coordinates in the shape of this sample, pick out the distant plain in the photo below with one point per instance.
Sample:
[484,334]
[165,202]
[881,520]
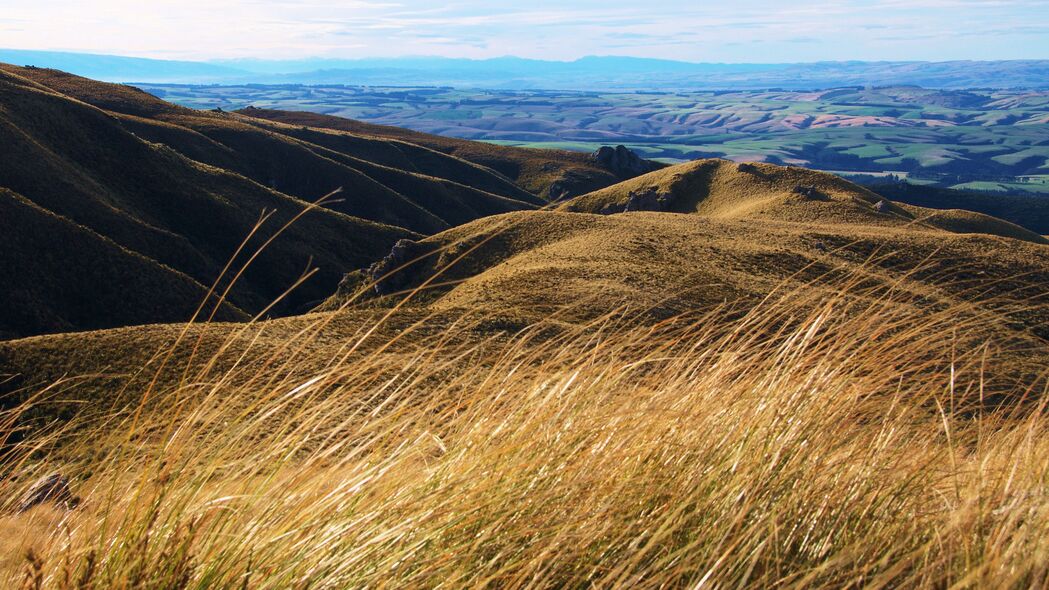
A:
[985,140]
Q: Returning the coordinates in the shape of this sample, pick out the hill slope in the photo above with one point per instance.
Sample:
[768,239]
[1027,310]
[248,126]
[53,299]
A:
[182,188]
[568,268]
[533,264]
[423,194]
[553,174]
[721,189]
[59,276]
[742,237]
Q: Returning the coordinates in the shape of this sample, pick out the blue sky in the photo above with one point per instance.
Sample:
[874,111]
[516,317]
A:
[692,30]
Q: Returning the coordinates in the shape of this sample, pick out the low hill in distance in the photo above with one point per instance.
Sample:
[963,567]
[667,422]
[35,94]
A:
[603,72]
[143,184]
[1029,211]
[975,139]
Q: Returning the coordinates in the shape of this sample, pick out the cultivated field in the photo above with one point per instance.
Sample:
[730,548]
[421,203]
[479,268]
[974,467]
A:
[978,140]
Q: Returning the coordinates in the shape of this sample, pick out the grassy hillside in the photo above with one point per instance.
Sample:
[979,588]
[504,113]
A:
[182,189]
[724,374]
[815,439]
[742,236]
[561,172]
[417,198]
[682,240]
[78,163]
[59,276]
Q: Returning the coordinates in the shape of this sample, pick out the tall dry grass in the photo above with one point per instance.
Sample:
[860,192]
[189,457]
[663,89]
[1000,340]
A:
[800,443]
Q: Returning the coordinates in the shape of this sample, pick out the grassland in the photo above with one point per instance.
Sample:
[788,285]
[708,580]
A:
[979,139]
[804,442]
[713,374]
[139,183]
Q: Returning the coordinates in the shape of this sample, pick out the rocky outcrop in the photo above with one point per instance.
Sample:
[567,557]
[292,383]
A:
[623,162]
[649,199]
[393,273]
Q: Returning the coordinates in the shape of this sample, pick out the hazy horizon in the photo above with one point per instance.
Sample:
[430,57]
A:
[233,62]
[749,31]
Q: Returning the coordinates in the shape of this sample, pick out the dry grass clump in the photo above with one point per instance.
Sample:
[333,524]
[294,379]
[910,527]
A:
[795,444]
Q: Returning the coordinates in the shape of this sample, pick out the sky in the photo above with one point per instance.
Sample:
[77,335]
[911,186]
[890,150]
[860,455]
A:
[754,31]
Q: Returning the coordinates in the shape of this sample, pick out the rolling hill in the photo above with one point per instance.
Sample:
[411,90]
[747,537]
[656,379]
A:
[726,190]
[553,174]
[741,373]
[97,183]
[676,241]
[131,178]
[158,197]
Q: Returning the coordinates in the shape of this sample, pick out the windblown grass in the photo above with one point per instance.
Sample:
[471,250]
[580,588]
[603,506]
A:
[800,443]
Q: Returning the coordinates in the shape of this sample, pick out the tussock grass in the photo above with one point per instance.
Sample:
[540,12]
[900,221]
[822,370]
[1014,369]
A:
[840,443]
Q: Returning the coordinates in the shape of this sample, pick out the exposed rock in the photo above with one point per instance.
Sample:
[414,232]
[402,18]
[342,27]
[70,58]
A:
[882,207]
[747,167]
[649,200]
[623,162]
[52,488]
[808,192]
[391,273]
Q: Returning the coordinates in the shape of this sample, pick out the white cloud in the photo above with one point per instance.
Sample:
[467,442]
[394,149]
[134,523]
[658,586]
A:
[742,30]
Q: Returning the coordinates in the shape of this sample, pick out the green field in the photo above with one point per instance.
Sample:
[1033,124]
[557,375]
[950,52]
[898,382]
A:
[986,140]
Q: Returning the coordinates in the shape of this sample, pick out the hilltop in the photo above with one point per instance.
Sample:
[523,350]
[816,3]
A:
[727,190]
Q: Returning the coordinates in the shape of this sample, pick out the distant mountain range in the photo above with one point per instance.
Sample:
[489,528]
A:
[613,73]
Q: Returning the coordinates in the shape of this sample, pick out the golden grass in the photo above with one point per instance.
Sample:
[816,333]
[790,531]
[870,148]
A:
[800,443]
[725,190]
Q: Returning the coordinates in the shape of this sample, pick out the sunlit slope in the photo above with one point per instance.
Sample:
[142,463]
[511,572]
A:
[513,270]
[510,271]
[720,189]
[541,262]
[727,190]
